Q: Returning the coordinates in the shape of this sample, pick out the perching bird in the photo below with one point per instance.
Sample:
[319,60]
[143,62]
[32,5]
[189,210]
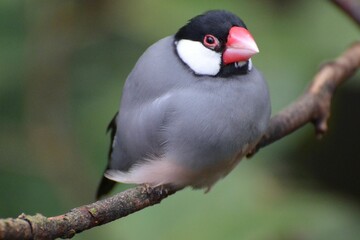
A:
[191,108]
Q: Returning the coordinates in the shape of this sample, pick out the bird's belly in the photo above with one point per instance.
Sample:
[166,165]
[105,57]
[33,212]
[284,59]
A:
[207,177]
[165,170]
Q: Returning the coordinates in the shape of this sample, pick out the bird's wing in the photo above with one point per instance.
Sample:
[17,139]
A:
[139,132]
[143,109]
[136,135]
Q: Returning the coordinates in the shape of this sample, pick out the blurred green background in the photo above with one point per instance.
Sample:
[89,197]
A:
[62,67]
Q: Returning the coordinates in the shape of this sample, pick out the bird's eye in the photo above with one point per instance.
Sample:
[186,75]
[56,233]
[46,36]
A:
[210,41]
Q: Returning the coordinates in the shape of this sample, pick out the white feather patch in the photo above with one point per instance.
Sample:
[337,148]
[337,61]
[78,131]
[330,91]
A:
[201,60]
[159,171]
[154,172]
[250,65]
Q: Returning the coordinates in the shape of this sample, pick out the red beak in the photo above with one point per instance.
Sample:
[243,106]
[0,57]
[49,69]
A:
[240,46]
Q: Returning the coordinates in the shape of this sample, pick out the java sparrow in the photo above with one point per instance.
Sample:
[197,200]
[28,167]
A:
[191,108]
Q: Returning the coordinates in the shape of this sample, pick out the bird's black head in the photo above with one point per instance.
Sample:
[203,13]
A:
[214,22]
[216,43]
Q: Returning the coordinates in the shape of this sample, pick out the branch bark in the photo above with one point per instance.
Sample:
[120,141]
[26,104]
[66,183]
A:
[312,107]
[27,227]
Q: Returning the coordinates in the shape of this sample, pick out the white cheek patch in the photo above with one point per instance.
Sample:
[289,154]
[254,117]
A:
[201,60]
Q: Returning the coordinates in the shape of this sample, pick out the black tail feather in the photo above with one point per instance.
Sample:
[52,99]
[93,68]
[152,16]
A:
[112,129]
[106,185]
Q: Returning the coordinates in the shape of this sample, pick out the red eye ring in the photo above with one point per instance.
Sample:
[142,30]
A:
[210,41]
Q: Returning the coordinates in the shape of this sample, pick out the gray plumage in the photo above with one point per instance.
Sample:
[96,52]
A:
[198,126]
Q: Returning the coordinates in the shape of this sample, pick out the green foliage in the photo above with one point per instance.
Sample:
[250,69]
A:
[63,64]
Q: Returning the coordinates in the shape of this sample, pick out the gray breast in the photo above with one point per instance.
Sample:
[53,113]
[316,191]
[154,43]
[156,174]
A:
[203,120]
[214,118]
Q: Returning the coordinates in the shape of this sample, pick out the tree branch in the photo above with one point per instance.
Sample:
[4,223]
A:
[313,106]
[27,227]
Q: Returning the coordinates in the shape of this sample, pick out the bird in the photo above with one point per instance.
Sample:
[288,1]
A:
[191,108]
